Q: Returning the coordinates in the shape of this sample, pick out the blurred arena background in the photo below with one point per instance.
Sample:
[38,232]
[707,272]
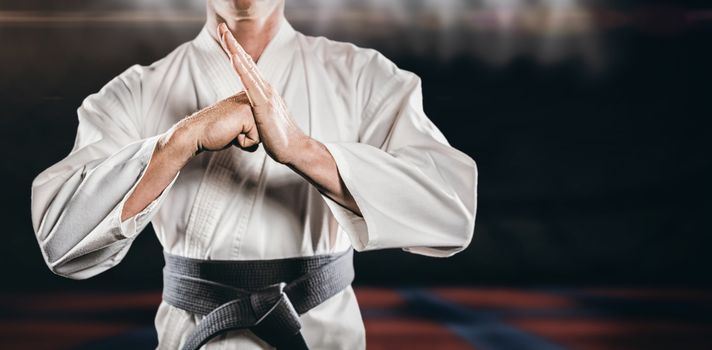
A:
[589,121]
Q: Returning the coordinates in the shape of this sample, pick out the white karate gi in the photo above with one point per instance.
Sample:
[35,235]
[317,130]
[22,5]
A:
[414,190]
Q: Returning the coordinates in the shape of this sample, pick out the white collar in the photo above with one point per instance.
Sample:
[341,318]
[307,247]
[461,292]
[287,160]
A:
[219,70]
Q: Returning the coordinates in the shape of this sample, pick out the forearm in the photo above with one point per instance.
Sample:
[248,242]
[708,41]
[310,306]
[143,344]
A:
[172,152]
[314,162]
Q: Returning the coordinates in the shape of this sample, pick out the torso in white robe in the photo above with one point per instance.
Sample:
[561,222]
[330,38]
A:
[414,190]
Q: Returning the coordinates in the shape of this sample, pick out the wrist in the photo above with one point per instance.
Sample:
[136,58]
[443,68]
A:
[303,151]
[179,142]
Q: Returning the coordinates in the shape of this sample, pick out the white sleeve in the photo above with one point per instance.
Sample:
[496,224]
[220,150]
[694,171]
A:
[76,203]
[413,189]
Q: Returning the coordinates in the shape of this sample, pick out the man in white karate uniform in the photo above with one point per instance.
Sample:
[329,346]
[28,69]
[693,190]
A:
[320,147]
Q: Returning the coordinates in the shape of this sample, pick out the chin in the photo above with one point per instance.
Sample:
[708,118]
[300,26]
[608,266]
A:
[244,9]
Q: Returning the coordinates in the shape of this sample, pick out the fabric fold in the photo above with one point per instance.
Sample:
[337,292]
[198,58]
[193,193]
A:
[77,202]
[414,190]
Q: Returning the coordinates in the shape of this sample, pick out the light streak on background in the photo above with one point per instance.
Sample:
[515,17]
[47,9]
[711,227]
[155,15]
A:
[494,31]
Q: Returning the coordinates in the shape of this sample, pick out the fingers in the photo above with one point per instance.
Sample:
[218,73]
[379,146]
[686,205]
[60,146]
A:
[222,27]
[245,67]
[247,141]
[249,137]
[252,137]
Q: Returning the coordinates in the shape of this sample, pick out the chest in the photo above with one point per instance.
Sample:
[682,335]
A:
[323,106]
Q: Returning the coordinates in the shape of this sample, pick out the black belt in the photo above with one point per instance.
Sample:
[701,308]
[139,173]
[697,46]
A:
[264,296]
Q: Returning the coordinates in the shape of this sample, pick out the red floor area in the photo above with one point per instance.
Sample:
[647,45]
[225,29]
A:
[412,335]
[441,318]
[56,334]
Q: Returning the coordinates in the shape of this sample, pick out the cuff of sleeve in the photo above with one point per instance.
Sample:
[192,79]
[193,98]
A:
[435,252]
[362,238]
[134,224]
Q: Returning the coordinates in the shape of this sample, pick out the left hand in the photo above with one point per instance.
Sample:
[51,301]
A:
[278,132]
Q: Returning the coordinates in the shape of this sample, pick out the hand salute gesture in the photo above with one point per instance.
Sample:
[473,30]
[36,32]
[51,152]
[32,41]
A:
[277,130]
[279,134]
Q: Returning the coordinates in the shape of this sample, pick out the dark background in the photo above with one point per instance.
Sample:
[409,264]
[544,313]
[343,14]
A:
[592,138]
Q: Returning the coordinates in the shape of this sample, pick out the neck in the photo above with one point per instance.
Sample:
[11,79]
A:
[252,33]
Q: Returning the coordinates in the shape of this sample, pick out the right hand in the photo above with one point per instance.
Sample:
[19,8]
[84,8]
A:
[226,123]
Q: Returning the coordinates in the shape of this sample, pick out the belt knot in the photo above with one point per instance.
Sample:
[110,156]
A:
[277,320]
